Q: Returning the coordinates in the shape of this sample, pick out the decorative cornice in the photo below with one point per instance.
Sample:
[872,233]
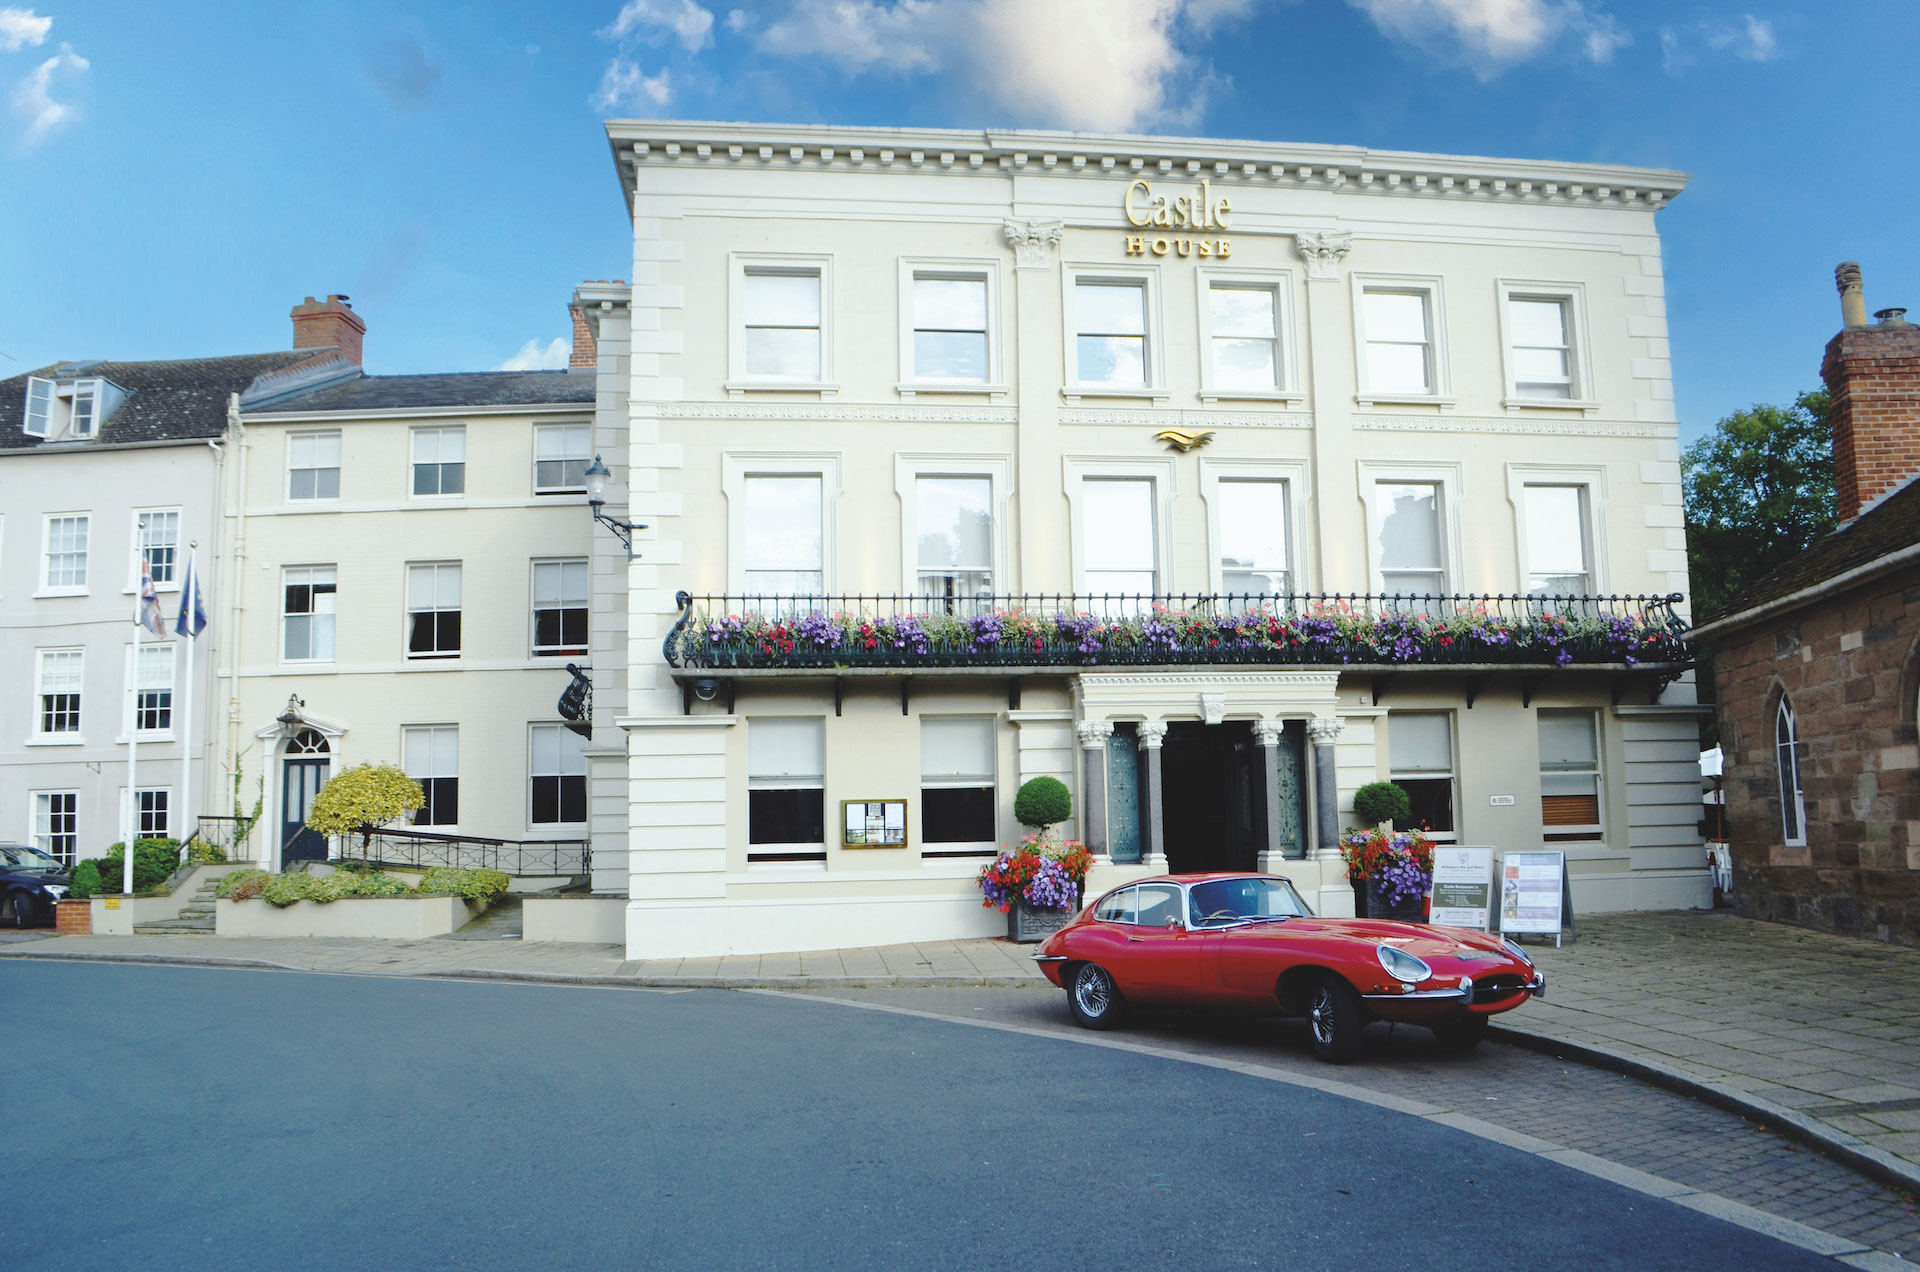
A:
[1164,417]
[887,413]
[1323,252]
[1222,678]
[1341,169]
[1033,242]
[1512,424]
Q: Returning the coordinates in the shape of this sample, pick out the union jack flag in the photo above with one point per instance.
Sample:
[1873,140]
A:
[152,617]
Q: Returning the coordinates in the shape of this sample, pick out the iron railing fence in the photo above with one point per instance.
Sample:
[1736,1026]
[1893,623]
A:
[232,835]
[522,858]
[899,631]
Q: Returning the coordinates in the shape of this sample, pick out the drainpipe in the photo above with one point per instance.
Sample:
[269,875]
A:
[235,570]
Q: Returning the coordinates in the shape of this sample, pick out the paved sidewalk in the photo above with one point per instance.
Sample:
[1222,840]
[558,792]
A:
[1812,1032]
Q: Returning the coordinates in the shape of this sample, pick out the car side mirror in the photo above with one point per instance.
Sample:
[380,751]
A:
[1173,923]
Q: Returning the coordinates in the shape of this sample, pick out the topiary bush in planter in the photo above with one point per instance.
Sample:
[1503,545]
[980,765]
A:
[1042,802]
[1378,802]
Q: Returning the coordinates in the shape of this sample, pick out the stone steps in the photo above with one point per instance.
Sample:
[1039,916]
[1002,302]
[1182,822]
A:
[195,918]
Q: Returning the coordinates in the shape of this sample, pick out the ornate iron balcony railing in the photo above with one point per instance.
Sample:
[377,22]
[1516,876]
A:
[907,632]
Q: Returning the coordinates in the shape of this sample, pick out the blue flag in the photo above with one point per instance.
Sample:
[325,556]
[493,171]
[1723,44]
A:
[193,614]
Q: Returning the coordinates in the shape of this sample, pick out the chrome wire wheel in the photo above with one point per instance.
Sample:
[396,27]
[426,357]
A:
[1095,1001]
[1320,1015]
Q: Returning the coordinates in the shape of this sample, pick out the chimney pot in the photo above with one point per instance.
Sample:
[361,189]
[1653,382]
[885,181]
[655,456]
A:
[1853,302]
[1894,317]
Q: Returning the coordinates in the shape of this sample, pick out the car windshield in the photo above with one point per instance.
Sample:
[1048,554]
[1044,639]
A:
[1222,901]
[16,857]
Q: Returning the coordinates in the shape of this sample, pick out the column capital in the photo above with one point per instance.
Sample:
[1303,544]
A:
[1033,242]
[1151,734]
[1267,733]
[1324,730]
[1323,252]
[1094,733]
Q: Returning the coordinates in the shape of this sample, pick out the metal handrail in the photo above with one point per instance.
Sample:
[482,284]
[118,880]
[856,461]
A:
[904,631]
[424,849]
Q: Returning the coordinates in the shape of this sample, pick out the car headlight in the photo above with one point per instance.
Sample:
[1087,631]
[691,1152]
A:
[1513,948]
[56,890]
[1401,965]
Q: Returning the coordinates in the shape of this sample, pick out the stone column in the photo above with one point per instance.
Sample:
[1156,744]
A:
[1093,736]
[1153,837]
[1266,797]
[1322,732]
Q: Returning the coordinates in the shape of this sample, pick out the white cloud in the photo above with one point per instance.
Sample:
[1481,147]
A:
[1747,38]
[21,27]
[738,20]
[685,20]
[534,356]
[1491,35]
[33,95]
[625,85]
[1087,64]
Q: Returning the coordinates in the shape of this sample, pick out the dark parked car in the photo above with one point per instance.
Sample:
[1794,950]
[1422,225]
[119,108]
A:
[30,882]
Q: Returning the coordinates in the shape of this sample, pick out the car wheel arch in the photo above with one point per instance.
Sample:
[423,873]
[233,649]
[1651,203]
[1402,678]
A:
[1296,983]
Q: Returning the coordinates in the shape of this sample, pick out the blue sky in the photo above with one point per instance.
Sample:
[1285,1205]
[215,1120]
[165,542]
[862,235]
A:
[174,177]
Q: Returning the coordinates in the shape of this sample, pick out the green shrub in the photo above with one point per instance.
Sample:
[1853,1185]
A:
[85,881]
[242,885]
[202,853]
[475,885]
[378,884]
[1378,802]
[333,887]
[284,889]
[154,861]
[1042,802]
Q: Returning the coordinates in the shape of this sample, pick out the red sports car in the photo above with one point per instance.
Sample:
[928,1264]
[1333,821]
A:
[1248,943]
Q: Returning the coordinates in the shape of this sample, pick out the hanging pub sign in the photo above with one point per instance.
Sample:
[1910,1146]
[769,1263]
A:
[1462,887]
[873,823]
[576,703]
[1534,893]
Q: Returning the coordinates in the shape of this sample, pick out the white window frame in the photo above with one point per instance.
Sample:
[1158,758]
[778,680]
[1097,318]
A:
[1458,833]
[961,847]
[138,552]
[43,388]
[1451,480]
[37,736]
[1293,475]
[975,269]
[446,827]
[1161,472]
[42,838]
[1593,480]
[47,586]
[1431,286]
[413,442]
[735,468]
[534,471]
[739,264]
[130,811]
[130,695]
[536,652]
[408,610]
[281,623]
[1286,360]
[585,777]
[339,468]
[1573,297]
[1582,833]
[908,469]
[1154,365]
[812,854]
[1792,749]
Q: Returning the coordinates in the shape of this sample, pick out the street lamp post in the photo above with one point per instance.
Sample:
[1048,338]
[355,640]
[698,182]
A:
[597,474]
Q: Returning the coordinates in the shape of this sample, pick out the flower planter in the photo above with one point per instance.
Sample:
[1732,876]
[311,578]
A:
[1027,924]
[1411,910]
[73,918]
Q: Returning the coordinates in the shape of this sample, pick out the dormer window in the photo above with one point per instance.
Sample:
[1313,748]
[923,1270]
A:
[68,410]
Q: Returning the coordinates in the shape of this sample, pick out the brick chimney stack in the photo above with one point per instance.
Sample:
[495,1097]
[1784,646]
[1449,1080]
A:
[1873,382]
[318,324]
[586,352]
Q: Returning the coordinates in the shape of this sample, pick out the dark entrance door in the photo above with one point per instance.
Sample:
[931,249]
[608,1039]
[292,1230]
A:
[1206,792]
[302,774]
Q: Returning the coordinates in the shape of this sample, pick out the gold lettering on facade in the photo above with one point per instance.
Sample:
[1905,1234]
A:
[1141,245]
[1159,247]
[1136,245]
[1197,210]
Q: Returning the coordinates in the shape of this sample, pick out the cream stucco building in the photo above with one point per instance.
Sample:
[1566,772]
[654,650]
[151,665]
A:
[998,381]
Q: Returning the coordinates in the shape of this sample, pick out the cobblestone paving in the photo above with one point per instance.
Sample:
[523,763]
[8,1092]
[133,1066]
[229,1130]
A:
[1606,1114]
[1824,1025]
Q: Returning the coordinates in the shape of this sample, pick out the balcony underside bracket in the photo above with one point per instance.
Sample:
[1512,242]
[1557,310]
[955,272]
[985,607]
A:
[839,692]
[1473,687]
[1013,694]
[1380,684]
[905,683]
[1529,687]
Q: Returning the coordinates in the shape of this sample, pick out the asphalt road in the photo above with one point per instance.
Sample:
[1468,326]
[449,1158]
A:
[162,1117]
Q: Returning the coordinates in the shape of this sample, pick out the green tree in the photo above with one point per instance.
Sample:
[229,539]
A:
[362,799]
[1758,490]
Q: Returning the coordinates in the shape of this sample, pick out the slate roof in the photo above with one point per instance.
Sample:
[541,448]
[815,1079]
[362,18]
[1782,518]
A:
[166,401]
[458,388]
[1890,526]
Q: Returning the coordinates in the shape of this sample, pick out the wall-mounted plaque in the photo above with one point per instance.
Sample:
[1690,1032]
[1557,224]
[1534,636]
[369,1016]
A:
[873,823]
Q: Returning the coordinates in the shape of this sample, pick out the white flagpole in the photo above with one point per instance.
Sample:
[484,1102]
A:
[185,633]
[130,823]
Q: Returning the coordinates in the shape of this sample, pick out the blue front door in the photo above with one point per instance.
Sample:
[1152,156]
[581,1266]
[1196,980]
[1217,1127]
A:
[301,779]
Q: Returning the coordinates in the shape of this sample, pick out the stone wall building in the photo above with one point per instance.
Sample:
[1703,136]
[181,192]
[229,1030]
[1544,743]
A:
[1817,668]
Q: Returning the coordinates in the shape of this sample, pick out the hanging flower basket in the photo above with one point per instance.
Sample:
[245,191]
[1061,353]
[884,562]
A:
[1392,871]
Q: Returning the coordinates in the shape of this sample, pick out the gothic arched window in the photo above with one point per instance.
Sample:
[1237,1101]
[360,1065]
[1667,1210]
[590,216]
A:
[1793,805]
